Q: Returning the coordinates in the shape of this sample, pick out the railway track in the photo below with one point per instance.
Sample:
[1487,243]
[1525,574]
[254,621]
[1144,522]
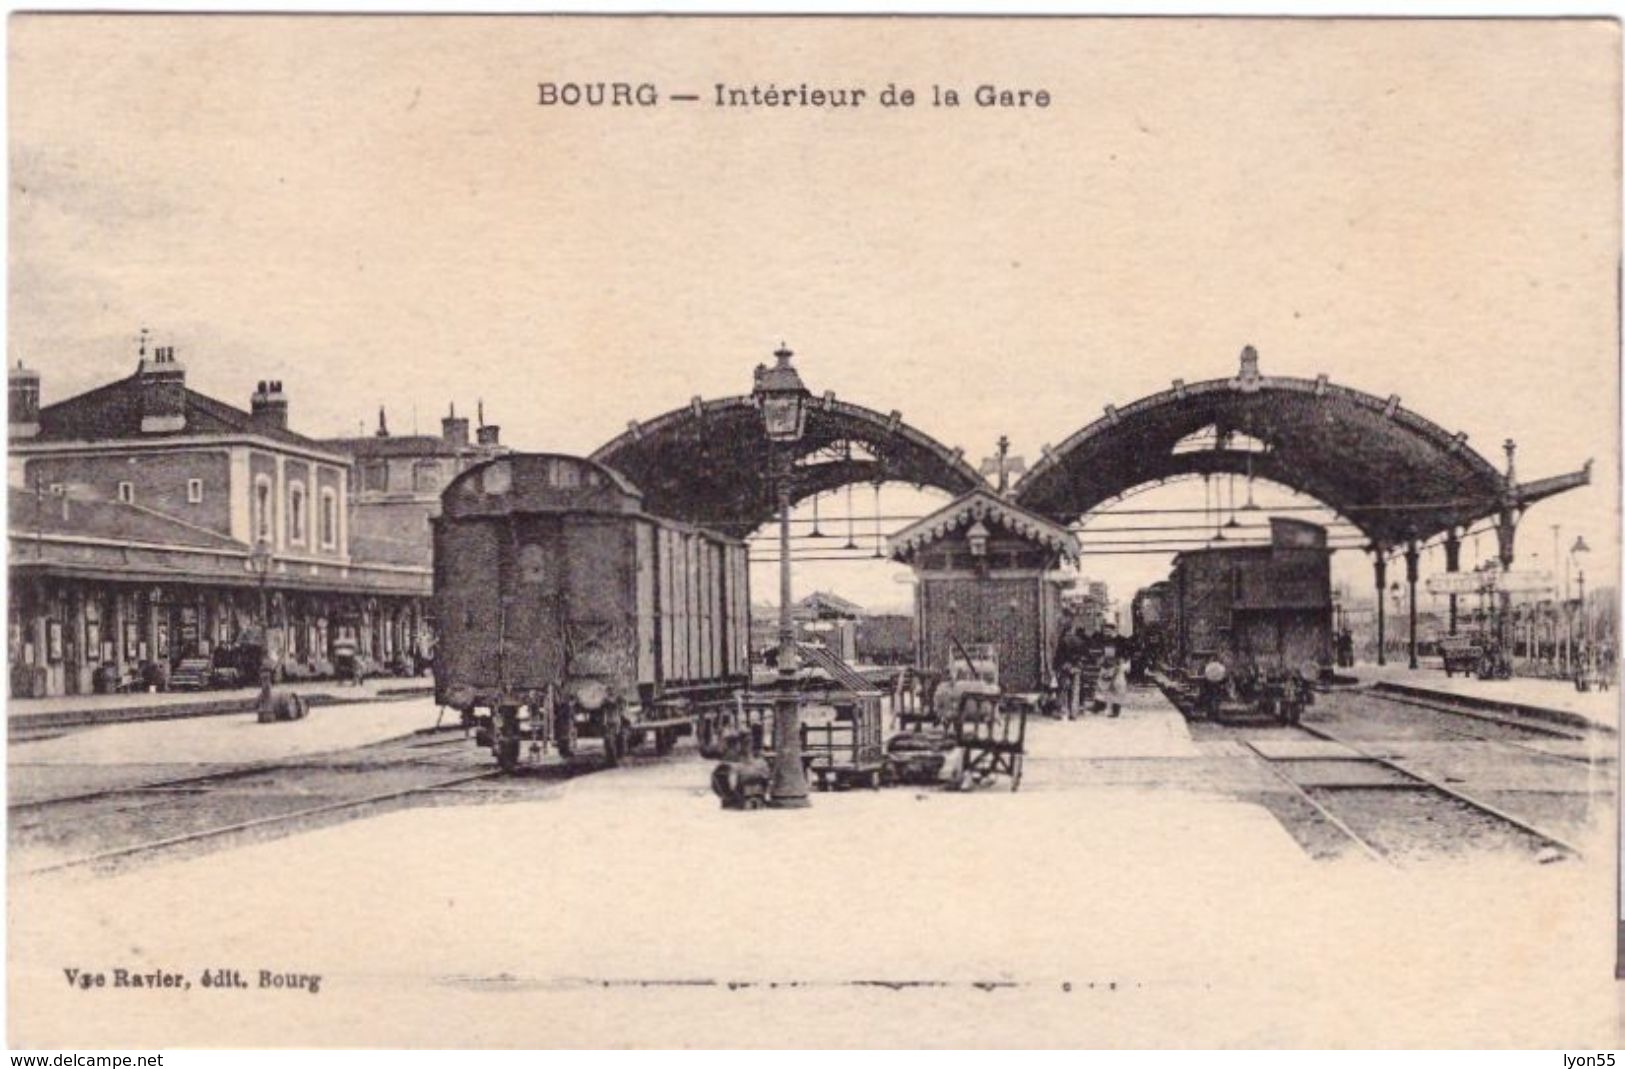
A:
[1504,723]
[1390,812]
[109,828]
[293,820]
[17,809]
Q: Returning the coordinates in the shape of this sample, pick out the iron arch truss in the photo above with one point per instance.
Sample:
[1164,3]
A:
[711,463]
[1399,477]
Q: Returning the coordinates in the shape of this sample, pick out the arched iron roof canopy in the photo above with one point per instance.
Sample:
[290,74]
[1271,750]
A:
[1396,475]
[711,463]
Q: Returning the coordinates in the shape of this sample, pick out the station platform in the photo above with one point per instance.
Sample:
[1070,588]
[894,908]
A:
[1081,914]
[1519,694]
[75,710]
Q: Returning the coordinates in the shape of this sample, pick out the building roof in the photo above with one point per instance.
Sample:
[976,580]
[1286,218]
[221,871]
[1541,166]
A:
[404,445]
[113,412]
[979,505]
[381,549]
[823,599]
[36,514]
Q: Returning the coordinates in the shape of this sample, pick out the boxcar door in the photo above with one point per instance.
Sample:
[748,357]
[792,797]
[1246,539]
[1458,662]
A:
[647,610]
[599,600]
[533,643]
[468,608]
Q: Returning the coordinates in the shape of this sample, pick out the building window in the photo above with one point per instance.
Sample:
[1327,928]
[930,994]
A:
[426,476]
[296,513]
[126,493]
[330,519]
[375,475]
[194,491]
[262,508]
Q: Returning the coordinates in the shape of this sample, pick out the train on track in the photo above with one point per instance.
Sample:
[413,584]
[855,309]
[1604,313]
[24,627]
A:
[1243,631]
[566,611]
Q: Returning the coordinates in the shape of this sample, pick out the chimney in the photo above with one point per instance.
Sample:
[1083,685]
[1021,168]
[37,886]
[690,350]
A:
[486,434]
[383,426]
[454,431]
[23,414]
[269,406]
[162,383]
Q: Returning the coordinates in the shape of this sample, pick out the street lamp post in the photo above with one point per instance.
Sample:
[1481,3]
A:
[260,560]
[782,399]
[1583,669]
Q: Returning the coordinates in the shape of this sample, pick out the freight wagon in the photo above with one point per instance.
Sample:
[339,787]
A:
[565,611]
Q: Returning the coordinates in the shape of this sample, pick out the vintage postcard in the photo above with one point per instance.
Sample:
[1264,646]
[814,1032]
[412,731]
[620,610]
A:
[654,531]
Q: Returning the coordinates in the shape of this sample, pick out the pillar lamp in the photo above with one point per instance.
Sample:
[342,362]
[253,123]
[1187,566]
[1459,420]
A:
[1577,554]
[259,559]
[782,400]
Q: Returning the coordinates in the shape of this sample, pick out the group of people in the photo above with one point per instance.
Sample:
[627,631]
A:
[1093,669]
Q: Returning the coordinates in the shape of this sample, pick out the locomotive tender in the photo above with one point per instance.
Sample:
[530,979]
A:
[565,611]
[1245,628]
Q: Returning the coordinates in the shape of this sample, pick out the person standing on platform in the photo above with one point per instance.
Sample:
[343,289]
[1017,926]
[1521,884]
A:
[1068,666]
[1114,681]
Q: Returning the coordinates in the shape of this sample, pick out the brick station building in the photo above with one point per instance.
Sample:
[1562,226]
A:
[136,512]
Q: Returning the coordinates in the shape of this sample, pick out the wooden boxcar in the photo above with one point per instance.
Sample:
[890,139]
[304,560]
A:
[565,611]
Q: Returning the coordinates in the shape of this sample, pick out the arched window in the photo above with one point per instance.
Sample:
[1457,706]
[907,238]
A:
[330,518]
[296,513]
[262,508]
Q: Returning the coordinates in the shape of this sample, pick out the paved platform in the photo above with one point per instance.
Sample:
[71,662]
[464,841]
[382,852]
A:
[626,908]
[74,709]
[1599,708]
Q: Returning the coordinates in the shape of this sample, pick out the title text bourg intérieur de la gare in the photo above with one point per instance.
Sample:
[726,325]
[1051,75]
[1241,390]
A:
[773,96]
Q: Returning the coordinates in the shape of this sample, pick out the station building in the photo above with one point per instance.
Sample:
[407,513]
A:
[151,526]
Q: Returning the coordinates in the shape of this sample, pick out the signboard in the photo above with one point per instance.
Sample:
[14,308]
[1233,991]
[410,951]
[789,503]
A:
[1459,583]
[1525,582]
[1497,581]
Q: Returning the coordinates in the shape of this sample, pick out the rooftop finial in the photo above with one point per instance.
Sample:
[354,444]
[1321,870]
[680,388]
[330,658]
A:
[383,427]
[479,412]
[142,352]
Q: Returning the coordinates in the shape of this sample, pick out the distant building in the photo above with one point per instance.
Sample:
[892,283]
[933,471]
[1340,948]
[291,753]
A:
[150,523]
[1089,602]
[397,480]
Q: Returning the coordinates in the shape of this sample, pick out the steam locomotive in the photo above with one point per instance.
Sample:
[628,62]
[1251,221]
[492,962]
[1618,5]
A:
[1244,631]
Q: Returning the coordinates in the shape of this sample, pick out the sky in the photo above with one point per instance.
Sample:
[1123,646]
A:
[378,211]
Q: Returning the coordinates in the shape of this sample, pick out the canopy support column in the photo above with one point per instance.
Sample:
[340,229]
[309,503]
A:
[1452,563]
[1412,557]
[1380,564]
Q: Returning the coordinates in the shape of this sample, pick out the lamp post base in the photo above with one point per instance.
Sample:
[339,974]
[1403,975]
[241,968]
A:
[789,786]
[779,801]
